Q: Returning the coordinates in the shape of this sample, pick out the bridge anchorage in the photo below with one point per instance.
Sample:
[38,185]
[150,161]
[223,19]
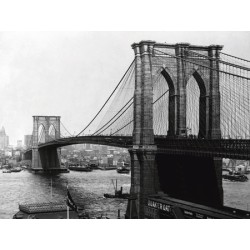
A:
[179,109]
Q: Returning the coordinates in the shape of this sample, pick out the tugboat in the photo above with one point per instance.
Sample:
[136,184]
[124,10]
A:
[123,168]
[235,176]
[118,193]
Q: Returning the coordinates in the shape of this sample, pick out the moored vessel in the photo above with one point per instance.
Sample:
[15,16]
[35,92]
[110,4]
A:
[123,168]
[107,167]
[118,193]
[50,210]
[235,176]
[82,168]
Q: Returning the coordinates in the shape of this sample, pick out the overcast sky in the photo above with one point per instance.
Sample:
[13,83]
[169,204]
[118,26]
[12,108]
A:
[71,74]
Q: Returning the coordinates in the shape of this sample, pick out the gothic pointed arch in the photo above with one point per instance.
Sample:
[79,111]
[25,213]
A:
[203,103]
[52,131]
[41,133]
[166,73]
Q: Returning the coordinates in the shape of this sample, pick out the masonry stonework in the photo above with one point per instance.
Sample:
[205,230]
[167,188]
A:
[41,160]
[177,64]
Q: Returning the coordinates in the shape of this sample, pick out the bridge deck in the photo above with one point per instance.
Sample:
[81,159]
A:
[225,148]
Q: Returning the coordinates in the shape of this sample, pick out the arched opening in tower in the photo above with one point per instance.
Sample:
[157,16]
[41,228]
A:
[163,104]
[160,106]
[41,134]
[52,132]
[196,107]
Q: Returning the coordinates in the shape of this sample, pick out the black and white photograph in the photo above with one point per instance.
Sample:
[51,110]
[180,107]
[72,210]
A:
[134,127]
[92,128]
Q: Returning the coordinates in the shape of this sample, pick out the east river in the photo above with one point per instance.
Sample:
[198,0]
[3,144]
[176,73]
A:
[87,188]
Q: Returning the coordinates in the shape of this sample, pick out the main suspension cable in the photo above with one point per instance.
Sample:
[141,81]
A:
[107,99]
[186,60]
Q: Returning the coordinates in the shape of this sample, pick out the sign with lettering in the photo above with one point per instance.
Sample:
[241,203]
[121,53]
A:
[159,205]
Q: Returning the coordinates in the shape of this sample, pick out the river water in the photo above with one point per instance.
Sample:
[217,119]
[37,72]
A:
[87,188]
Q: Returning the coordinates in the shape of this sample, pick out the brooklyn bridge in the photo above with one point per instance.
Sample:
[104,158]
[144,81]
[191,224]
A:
[178,109]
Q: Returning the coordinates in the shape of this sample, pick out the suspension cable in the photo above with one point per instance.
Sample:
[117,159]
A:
[221,61]
[121,128]
[178,57]
[113,117]
[107,99]
[116,118]
[133,119]
[66,129]
[235,57]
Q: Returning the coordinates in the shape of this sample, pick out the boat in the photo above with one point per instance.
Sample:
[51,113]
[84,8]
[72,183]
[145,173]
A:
[93,166]
[82,168]
[107,167]
[123,168]
[235,176]
[18,169]
[50,210]
[118,193]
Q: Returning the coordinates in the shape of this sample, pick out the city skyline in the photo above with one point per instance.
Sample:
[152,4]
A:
[64,73]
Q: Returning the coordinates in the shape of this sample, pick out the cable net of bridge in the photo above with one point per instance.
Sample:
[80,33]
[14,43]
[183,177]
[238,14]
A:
[234,77]
[115,118]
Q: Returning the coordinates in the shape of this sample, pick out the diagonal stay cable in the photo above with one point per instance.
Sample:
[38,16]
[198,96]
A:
[133,119]
[66,129]
[107,99]
[121,128]
[116,118]
[113,116]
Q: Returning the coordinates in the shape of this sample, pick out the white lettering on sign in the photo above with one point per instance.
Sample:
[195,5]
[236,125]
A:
[159,205]
[188,212]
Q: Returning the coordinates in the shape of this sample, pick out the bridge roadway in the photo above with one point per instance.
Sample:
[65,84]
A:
[224,148]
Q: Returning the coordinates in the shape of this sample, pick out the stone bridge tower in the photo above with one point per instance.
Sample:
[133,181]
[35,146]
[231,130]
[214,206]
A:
[149,173]
[49,158]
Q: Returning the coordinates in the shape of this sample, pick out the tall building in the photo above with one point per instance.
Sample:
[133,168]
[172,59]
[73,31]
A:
[4,139]
[27,140]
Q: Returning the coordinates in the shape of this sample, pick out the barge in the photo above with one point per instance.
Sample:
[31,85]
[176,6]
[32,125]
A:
[50,210]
